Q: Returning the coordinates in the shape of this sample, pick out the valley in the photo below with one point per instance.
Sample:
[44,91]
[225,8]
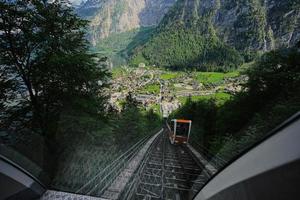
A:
[164,91]
[205,48]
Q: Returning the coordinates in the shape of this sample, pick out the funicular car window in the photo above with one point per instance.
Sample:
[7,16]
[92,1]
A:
[182,129]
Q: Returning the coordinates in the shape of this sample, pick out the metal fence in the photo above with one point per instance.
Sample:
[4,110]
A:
[101,181]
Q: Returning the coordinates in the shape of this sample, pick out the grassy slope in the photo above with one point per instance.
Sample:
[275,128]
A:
[151,88]
[220,98]
[206,78]
[169,75]
[118,72]
[214,77]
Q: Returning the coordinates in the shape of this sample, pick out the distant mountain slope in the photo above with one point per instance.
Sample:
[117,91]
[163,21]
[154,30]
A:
[118,46]
[258,24]
[117,16]
[213,34]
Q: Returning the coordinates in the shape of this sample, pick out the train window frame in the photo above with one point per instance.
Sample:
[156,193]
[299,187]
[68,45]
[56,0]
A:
[270,134]
[175,121]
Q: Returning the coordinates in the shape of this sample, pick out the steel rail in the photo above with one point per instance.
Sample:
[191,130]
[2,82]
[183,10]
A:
[132,186]
[167,172]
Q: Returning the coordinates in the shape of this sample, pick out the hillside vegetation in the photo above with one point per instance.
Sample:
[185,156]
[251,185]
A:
[180,48]
[219,35]
[271,95]
[87,145]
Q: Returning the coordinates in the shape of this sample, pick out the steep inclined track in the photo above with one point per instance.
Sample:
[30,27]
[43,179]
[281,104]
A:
[168,172]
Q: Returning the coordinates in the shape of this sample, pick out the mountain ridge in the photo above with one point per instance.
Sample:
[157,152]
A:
[232,28]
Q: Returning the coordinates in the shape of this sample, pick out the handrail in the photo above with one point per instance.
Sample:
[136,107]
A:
[116,167]
[112,166]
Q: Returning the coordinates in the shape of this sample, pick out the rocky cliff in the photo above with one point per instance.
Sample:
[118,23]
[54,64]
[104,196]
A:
[116,16]
[257,24]
[215,30]
[244,24]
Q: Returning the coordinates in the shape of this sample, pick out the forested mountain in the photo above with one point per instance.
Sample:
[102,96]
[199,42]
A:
[117,16]
[209,33]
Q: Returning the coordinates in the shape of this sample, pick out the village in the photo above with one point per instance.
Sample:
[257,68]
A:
[165,91]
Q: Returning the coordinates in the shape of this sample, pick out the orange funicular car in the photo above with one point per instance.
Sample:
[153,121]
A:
[179,131]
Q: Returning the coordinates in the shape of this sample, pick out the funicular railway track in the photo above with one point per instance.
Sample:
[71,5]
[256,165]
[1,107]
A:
[168,172]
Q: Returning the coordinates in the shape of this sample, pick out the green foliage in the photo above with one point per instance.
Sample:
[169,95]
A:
[271,97]
[214,77]
[187,48]
[228,146]
[276,72]
[196,34]
[169,75]
[203,114]
[137,59]
[156,108]
[220,98]
[118,72]
[140,38]
[250,56]
[275,76]
[60,93]
[133,124]
[88,145]
[152,88]
[48,55]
